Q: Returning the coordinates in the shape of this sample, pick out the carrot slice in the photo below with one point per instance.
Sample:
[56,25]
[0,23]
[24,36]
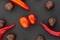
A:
[24,22]
[32,18]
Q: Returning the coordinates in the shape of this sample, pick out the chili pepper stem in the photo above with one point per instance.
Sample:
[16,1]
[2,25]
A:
[50,31]
[3,30]
[21,3]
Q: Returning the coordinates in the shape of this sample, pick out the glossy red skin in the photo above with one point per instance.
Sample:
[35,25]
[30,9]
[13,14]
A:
[24,22]
[50,31]
[21,3]
[3,30]
[32,18]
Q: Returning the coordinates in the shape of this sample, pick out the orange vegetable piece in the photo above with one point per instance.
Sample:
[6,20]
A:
[21,3]
[32,18]
[24,22]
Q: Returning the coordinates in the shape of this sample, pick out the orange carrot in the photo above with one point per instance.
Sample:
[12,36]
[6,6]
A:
[21,3]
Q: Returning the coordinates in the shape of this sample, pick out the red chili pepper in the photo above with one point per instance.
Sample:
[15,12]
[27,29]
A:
[21,3]
[3,30]
[50,31]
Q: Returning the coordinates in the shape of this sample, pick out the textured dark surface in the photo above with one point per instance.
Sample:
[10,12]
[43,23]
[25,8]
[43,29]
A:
[42,14]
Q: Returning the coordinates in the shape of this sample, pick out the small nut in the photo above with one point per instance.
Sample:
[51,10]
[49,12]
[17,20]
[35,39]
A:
[9,6]
[40,37]
[10,37]
[49,4]
[52,21]
[2,23]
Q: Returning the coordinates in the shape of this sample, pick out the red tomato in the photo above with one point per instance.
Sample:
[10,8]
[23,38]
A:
[32,18]
[24,22]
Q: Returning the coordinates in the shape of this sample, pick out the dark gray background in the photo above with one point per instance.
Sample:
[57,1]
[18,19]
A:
[38,8]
